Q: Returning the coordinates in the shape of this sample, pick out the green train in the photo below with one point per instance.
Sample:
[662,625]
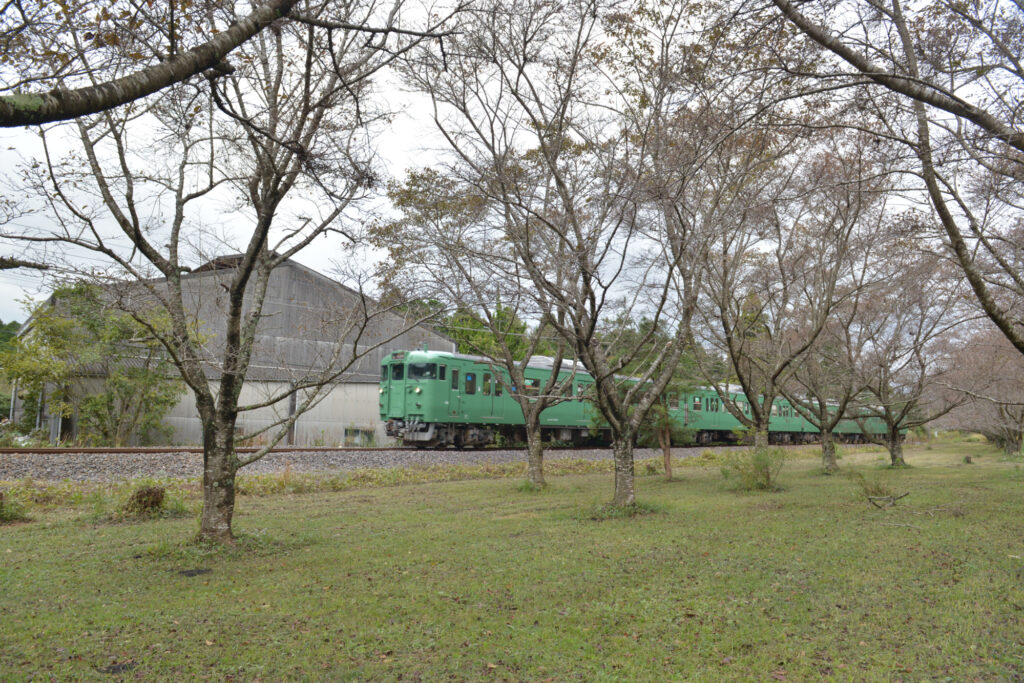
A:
[432,399]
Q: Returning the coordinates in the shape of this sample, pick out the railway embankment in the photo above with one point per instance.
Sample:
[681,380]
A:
[81,466]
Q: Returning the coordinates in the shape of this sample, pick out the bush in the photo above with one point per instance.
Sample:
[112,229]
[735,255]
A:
[10,510]
[145,501]
[871,487]
[755,469]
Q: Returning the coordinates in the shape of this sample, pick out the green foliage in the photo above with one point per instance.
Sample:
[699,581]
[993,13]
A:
[11,510]
[79,335]
[12,436]
[7,332]
[659,424]
[755,469]
[472,334]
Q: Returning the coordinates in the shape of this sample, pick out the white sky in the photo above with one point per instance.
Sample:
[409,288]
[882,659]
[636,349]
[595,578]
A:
[409,141]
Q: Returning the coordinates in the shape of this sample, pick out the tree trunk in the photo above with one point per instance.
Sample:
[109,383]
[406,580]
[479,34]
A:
[761,439]
[622,449]
[219,467]
[828,452]
[895,445]
[535,456]
[665,438]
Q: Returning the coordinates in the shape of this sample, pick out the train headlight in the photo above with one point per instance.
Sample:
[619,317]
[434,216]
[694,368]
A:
[418,390]
[381,390]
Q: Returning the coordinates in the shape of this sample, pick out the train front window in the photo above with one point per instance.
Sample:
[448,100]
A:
[397,371]
[422,371]
[383,373]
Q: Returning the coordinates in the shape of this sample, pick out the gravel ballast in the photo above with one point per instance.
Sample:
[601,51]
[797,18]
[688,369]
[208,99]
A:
[117,466]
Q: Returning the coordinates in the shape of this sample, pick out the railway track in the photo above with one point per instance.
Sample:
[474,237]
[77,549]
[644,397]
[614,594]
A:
[253,449]
[188,449]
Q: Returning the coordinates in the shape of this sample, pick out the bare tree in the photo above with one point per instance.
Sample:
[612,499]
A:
[956,80]
[990,373]
[774,283]
[158,45]
[450,245]
[522,103]
[909,328]
[284,137]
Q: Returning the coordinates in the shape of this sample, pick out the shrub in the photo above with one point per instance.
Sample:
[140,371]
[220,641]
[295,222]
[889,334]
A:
[145,501]
[755,469]
[10,510]
[871,487]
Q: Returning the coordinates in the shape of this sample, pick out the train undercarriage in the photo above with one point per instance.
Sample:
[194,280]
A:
[446,435]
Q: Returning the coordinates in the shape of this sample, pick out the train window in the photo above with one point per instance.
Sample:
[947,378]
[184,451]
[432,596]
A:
[532,387]
[497,387]
[397,371]
[470,384]
[440,372]
[673,402]
[455,380]
[486,384]
[697,403]
[383,372]
[422,371]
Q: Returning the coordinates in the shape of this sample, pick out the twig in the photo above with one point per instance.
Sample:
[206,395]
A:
[888,500]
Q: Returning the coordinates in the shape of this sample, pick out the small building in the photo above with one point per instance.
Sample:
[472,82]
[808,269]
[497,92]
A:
[305,314]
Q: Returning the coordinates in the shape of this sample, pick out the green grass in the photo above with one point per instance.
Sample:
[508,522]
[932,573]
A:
[474,579]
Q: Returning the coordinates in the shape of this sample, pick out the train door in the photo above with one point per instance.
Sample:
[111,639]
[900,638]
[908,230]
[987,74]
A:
[394,395]
[492,400]
[454,395]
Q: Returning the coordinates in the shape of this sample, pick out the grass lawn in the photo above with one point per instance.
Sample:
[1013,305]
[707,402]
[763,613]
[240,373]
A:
[478,580]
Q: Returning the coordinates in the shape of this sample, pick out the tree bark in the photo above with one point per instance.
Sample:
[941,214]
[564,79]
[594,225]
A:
[895,445]
[622,449]
[219,467]
[828,452]
[761,439]
[535,456]
[59,105]
[665,437]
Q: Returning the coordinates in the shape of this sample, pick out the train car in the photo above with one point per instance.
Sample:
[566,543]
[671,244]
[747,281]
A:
[703,411]
[438,399]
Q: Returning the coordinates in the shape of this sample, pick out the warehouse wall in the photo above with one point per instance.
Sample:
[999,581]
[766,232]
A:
[347,414]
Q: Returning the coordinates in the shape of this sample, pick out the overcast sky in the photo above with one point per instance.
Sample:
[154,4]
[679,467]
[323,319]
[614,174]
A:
[410,140]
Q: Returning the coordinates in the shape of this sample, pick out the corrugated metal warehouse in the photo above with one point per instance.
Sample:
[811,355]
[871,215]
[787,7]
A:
[305,314]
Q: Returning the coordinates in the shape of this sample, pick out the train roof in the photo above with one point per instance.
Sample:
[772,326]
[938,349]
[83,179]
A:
[535,362]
